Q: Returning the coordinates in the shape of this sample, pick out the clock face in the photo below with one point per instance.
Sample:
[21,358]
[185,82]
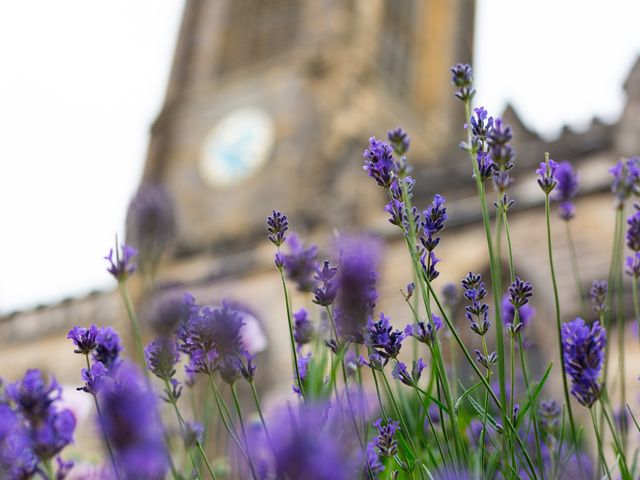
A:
[236,147]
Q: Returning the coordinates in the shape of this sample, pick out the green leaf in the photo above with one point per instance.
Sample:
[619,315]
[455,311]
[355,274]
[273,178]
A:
[531,399]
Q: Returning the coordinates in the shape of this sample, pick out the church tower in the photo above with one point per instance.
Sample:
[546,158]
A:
[270,103]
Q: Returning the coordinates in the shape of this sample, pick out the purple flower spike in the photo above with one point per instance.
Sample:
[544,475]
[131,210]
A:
[84,339]
[93,378]
[598,296]
[401,373]
[399,140]
[108,349]
[123,266]
[33,395]
[382,338]
[131,421]
[151,223]
[300,263]
[162,355]
[477,312]
[277,226]
[303,328]
[584,350]
[566,189]
[520,292]
[633,265]
[547,176]
[462,78]
[385,441]
[633,230]
[379,162]
[356,287]
[626,178]
[324,291]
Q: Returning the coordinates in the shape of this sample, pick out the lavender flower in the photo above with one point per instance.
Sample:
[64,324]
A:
[131,422]
[308,441]
[356,287]
[277,226]
[166,311]
[547,176]
[476,312]
[108,349]
[373,467]
[566,189]
[626,178]
[303,328]
[324,291]
[584,349]
[151,223]
[385,441]
[434,217]
[598,296]
[300,263]
[382,338]
[52,433]
[428,261]
[486,166]
[462,77]
[162,355]
[93,378]
[520,292]
[303,370]
[633,265]
[379,162]
[424,332]
[549,413]
[450,295]
[123,266]
[212,339]
[84,339]
[33,395]
[481,125]
[501,152]
[525,313]
[192,434]
[399,140]
[401,373]
[47,430]
[633,231]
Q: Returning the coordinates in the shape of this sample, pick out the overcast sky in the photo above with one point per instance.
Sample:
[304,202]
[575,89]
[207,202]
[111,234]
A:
[81,81]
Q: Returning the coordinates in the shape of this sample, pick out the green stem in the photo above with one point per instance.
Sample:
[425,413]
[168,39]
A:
[523,363]
[425,287]
[294,354]
[254,393]
[496,274]
[135,325]
[181,423]
[486,408]
[243,431]
[621,325]
[226,417]
[405,428]
[556,300]
[599,444]
[636,304]
[624,470]
[576,269]
[104,433]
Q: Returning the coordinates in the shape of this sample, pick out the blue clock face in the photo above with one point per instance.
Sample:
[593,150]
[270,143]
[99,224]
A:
[236,147]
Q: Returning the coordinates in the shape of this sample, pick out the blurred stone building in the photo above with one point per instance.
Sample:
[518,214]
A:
[270,104]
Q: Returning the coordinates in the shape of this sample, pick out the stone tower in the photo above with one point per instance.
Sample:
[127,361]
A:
[270,101]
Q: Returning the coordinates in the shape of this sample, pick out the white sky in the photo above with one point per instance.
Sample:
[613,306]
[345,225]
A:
[81,81]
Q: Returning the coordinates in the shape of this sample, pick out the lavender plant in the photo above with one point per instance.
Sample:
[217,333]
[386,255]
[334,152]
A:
[362,404]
